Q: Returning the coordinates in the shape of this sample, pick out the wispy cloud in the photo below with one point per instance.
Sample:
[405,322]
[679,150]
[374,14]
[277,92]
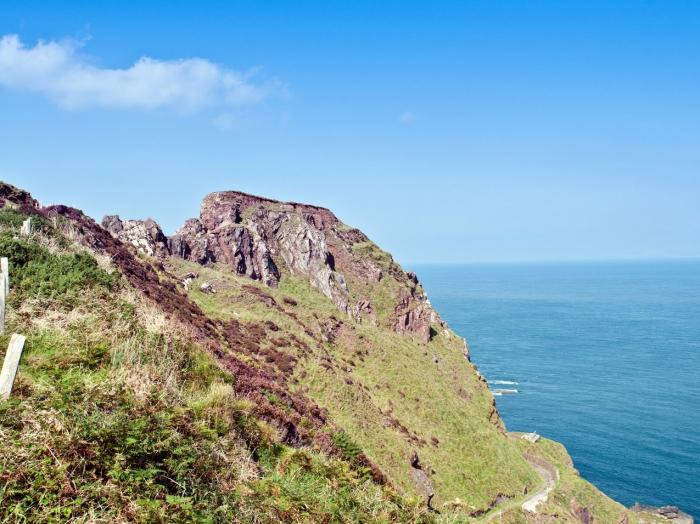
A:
[57,70]
[223,122]
[407,117]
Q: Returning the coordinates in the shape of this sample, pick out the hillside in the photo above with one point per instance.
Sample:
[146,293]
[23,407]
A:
[265,363]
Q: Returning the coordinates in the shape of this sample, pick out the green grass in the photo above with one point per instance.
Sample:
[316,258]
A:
[13,219]
[572,486]
[390,398]
[116,417]
[380,381]
[397,382]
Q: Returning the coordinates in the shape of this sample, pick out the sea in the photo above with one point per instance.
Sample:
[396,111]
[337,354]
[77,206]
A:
[603,357]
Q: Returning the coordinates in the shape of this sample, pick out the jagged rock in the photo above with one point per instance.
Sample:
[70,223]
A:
[465,352]
[360,266]
[187,280]
[255,236]
[670,513]
[144,235]
[421,479]
[305,252]
[413,316]
[368,270]
[351,236]
[237,246]
[363,307]
[207,287]
[219,236]
[191,243]
[238,230]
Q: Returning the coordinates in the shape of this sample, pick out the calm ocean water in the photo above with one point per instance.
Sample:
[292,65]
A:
[605,358]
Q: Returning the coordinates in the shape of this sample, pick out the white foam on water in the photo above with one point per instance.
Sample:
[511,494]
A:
[503,382]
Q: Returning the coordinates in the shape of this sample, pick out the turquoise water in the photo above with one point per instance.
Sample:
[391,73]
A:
[605,358]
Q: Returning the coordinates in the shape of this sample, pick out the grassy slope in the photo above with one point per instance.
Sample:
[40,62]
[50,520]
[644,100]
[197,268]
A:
[571,486]
[374,382]
[116,417]
[370,378]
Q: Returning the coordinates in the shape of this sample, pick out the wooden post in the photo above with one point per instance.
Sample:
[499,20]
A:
[5,268]
[26,228]
[9,367]
[4,290]
[3,300]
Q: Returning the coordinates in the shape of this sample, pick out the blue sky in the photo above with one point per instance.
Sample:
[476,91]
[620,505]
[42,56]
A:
[448,131]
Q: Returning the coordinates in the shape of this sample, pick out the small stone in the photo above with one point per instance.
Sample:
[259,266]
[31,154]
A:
[207,287]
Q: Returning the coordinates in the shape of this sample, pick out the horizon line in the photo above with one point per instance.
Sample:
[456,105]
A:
[690,258]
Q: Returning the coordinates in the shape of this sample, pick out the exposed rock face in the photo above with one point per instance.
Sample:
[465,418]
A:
[262,239]
[235,245]
[413,316]
[244,232]
[220,236]
[414,313]
[304,251]
[145,235]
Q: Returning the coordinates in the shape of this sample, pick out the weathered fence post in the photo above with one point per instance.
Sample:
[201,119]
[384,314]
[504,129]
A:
[2,303]
[4,290]
[5,268]
[9,367]
[26,228]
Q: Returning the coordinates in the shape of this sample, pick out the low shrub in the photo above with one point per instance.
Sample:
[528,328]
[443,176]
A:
[36,272]
[14,219]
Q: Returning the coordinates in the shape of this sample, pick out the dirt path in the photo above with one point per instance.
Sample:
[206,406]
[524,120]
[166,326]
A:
[549,475]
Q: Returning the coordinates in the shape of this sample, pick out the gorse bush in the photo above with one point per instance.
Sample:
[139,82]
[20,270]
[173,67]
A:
[35,271]
[14,219]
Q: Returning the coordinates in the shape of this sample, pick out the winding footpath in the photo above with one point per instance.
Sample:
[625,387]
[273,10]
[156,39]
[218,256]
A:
[549,475]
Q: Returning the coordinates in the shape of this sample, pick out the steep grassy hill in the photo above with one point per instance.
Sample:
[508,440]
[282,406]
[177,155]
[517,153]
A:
[268,363]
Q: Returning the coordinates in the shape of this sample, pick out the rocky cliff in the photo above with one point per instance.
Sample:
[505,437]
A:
[265,239]
[144,235]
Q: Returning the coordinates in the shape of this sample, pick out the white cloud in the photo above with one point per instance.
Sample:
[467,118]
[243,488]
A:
[407,117]
[57,70]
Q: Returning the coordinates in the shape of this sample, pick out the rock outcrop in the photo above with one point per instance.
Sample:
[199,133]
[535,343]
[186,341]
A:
[265,239]
[670,513]
[227,242]
[414,314]
[144,235]
[244,231]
